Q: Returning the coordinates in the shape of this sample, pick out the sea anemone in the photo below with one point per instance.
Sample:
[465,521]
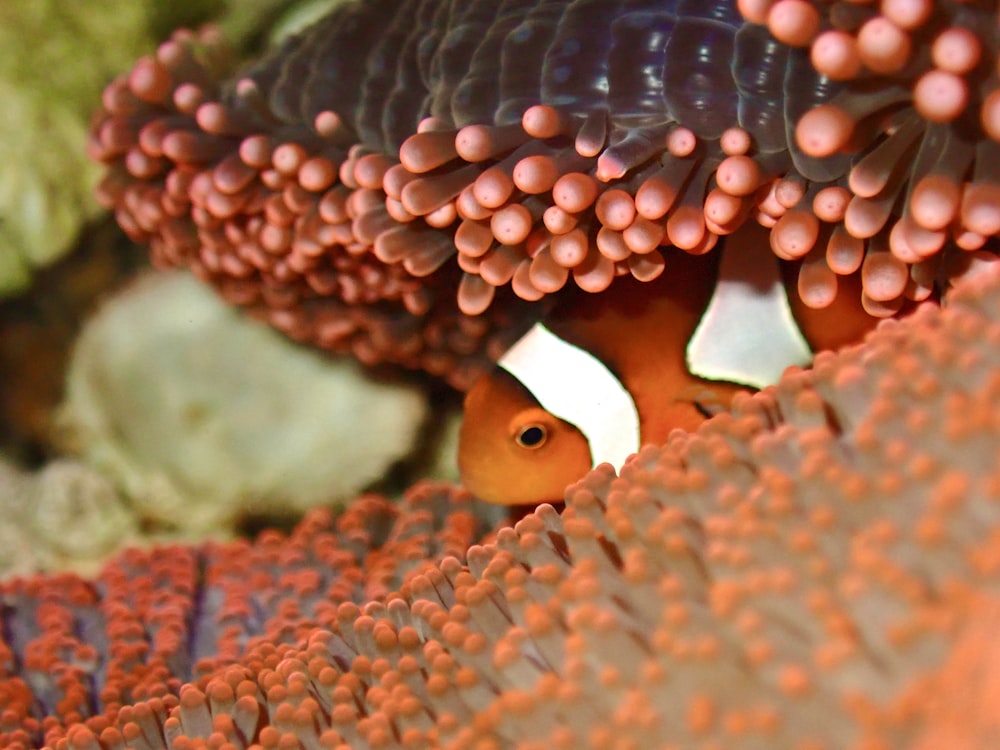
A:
[803,572]
[78,652]
[396,157]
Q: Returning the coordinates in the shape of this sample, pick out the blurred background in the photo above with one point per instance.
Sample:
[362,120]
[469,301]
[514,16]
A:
[134,406]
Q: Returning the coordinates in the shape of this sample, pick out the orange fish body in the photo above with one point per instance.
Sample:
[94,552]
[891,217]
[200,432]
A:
[513,451]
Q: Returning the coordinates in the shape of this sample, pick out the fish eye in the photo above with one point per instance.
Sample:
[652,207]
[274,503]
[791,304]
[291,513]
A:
[531,436]
[704,410]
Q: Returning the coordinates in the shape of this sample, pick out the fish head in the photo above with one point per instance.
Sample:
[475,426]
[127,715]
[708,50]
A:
[511,451]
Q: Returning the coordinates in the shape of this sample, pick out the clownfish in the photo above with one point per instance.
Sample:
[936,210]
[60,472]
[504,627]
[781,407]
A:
[603,374]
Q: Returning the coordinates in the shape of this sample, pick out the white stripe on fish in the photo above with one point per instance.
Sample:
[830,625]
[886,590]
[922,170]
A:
[574,385]
[748,333]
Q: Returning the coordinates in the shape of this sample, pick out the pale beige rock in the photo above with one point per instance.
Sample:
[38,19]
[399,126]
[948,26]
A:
[202,415]
[65,516]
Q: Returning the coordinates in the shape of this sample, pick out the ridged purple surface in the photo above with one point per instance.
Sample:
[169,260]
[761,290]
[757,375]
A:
[384,65]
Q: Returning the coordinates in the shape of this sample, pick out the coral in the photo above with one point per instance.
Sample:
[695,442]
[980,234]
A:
[45,187]
[803,572]
[55,56]
[201,415]
[64,515]
[349,185]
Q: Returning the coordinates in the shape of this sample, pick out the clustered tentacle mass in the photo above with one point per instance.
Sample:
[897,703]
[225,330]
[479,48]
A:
[817,569]
[400,153]
[117,650]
